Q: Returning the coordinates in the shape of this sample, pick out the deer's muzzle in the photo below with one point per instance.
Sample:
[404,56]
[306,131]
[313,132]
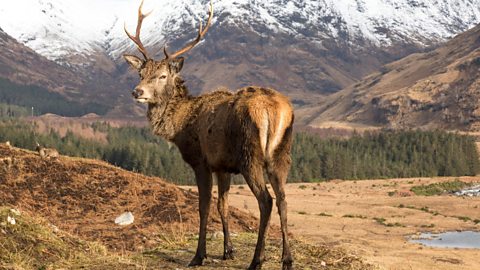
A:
[137,93]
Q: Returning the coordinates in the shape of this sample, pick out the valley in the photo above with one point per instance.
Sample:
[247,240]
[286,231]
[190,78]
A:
[373,219]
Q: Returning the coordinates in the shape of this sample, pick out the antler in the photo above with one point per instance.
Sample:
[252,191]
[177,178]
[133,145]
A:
[192,44]
[136,38]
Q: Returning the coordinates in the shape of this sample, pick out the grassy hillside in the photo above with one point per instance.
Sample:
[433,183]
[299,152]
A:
[64,211]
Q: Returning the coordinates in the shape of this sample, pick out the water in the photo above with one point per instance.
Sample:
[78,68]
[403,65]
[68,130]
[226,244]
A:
[470,192]
[466,239]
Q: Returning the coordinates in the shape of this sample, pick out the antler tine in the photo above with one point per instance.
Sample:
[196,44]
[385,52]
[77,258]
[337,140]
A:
[201,32]
[136,38]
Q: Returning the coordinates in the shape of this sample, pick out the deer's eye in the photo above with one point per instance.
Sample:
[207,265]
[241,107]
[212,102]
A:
[163,77]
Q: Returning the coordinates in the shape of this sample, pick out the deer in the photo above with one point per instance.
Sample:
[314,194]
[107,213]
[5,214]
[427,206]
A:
[47,153]
[247,132]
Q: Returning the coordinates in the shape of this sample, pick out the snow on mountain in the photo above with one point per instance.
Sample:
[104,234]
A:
[56,28]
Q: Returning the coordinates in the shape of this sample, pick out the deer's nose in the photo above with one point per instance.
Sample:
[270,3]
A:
[137,93]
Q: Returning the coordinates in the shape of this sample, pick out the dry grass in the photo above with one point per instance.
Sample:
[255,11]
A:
[82,198]
[33,243]
[360,217]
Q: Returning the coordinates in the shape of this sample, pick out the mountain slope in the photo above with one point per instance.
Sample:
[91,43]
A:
[26,75]
[304,48]
[437,89]
[21,64]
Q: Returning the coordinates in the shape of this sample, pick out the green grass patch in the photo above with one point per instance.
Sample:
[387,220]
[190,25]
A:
[425,209]
[383,221]
[380,220]
[463,218]
[439,188]
[354,216]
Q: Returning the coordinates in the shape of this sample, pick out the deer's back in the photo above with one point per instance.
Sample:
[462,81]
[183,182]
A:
[247,126]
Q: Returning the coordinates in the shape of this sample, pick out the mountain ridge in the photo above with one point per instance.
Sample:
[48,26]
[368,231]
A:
[85,27]
[306,49]
[436,89]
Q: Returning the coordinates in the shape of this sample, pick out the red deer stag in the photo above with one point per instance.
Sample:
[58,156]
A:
[222,133]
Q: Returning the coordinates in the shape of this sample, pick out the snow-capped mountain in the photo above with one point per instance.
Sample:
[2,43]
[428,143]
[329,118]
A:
[304,48]
[55,28]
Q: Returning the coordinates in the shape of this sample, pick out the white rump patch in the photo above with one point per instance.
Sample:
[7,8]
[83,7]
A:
[263,130]
[278,133]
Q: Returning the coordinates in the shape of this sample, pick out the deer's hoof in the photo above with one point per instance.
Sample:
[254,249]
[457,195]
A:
[229,254]
[196,261]
[287,265]
[255,265]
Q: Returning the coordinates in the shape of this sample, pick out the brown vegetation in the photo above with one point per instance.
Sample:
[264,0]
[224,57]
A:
[83,197]
[66,218]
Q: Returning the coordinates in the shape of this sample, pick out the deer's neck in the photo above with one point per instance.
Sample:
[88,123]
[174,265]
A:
[170,118]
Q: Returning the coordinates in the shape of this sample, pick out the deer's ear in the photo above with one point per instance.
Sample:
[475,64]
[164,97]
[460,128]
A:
[134,61]
[176,64]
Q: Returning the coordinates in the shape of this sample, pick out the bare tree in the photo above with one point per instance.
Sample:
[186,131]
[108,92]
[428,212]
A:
[247,132]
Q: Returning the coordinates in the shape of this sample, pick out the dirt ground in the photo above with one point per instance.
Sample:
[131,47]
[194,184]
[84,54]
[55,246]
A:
[342,214]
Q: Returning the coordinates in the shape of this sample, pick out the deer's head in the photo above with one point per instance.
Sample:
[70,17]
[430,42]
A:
[159,78]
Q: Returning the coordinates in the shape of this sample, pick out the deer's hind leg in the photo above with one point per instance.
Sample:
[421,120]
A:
[277,171]
[223,180]
[278,179]
[256,182]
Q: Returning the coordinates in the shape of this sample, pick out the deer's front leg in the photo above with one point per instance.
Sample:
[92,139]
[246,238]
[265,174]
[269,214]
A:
[204,183]
[223,180]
